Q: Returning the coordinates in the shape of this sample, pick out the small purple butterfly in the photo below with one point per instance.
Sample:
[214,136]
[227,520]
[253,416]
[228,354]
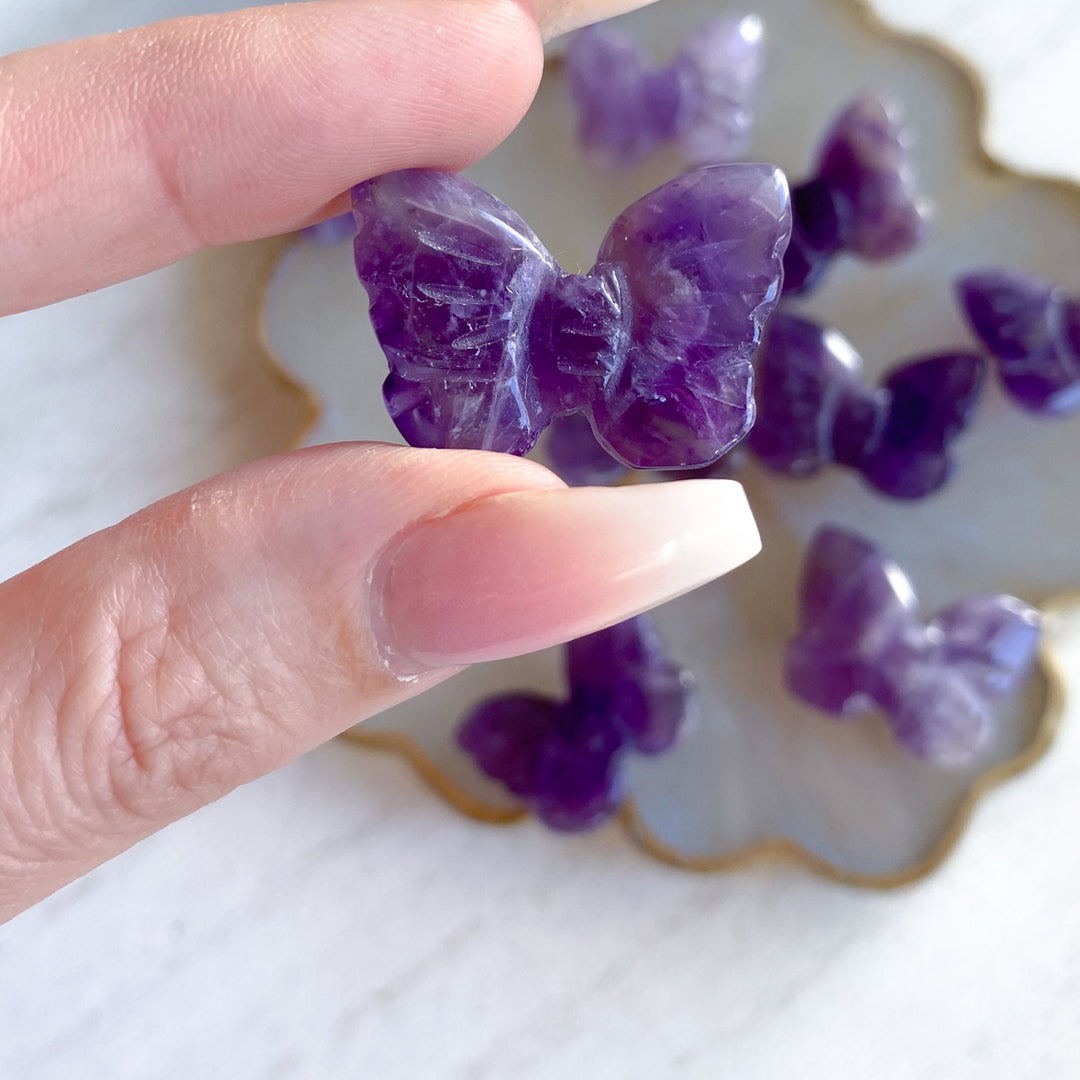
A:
[863,197]
[861,644]
[814,408]
[564,758]
[627,107]
[488,339]
[1032,328]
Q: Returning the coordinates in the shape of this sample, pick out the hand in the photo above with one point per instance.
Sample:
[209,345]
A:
[154,666]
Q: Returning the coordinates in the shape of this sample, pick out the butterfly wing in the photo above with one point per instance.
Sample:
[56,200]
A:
[854,605]
[1067,329]
[626,670]
[992,640]
[624,109]
[505,736]
[931,402]
[866,162]
[1033,332]
[720,66]
[975,649]
[699,260]
[1006,311]
[941,716]
[806,377]
[578,779]
[451,274]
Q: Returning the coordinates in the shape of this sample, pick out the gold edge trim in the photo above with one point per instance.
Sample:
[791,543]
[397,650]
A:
[784,849]
[292,385]
[771,848]
[976,85]
[424,765]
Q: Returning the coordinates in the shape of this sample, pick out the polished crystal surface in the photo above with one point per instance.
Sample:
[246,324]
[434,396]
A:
[563,758]
[1032,328]
[488,339]
[815,408]
[861,646]
[627,107]
[571,450]
[863,197]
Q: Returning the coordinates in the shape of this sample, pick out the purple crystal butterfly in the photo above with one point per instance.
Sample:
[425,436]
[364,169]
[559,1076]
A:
[488,339]
[1032,328]
[627,108]
[814,409]
[861,644]
[564,758]
[863,198]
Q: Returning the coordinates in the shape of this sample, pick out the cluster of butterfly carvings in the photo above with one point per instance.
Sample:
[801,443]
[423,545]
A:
[668,354]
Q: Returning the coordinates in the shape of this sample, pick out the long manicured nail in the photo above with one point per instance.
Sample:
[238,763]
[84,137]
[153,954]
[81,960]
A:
[560,16]
[512,573]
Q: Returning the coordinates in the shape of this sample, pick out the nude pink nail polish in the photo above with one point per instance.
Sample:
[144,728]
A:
[512,573]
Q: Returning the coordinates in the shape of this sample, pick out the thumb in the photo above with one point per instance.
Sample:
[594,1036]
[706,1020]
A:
[152,667]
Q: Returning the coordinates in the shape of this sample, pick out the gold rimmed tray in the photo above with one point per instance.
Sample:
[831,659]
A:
[760,774]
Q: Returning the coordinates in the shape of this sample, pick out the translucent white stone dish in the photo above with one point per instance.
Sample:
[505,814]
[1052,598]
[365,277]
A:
[761,774]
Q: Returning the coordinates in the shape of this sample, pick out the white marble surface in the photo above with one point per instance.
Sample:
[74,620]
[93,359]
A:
[335,920]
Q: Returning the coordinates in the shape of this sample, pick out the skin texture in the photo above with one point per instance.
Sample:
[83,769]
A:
[214,636]
[233,127]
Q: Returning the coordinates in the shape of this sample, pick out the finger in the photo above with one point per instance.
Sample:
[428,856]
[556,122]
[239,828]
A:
[155,666]
[124,152]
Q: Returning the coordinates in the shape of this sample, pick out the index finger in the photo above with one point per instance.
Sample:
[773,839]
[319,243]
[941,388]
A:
[124,152]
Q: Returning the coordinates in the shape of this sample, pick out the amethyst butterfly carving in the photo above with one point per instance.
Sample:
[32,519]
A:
[564,758]
[628,107]
[1032,328]
[861,646]
[863,197]
[815,409]
[488,339]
